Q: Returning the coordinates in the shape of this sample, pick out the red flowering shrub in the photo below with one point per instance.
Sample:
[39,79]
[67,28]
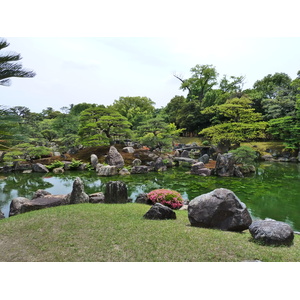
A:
[168,198]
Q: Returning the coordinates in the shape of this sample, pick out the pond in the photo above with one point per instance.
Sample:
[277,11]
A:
[273,192]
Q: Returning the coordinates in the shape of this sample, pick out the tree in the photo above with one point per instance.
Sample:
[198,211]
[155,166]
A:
[235,121]
[135,109]
[204,78]
[157,134]
[9,66]
[100,126]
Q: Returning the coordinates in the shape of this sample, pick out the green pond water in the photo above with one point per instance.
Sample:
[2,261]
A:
[273,192]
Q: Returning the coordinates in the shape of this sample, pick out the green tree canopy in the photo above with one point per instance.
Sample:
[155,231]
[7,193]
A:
[235,122]
[203,79]
[157,134]
[135,109]
[100,125]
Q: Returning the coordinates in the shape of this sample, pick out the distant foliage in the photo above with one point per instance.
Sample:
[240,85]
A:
[166,197]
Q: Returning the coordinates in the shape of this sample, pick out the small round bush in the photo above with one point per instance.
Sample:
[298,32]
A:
[166,197]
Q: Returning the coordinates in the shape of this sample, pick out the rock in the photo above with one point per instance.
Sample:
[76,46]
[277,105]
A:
[225,166]
[94,160]
[267,157]
[40,193]
[139,170]
[159,165]
[204,158]
[16,205]
[160,212]
[128,150]
[184,207]
[219,209]
[176,153]
[39,168]
[58,170]
[143,199]
[44,202]
[124,172]
[271,232]
[78,195]
[27,172]
[18,166]
[2,215]
[96,198]
[136,162]
[199,169]
[116,192]
[67,165]
[114,158]
[98,166]
[107,171]
[185,160]
[185,153]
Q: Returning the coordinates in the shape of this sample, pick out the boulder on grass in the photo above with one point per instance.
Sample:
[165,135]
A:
[2,215]
[220,209]
[160,212]
[271,232]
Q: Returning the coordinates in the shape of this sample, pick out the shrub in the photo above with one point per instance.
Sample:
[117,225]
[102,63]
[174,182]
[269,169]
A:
[166,197]
[244,155]
[55,164]
[75,164]
[205,143]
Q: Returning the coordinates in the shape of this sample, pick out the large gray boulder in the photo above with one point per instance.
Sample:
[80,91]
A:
[220,209]
[114,158]
[226,167]
[160,212]
[116,192]
[39,168]
[271,232]
[77,195]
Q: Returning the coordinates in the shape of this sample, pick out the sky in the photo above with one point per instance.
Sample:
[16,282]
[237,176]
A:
[97,54]
[102,69]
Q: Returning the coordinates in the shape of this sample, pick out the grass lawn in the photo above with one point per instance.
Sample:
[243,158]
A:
[119,233]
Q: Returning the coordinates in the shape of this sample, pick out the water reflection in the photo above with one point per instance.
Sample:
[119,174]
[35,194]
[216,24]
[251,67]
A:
[271,193]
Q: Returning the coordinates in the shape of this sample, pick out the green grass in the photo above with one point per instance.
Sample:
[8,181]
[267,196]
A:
[118,232]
